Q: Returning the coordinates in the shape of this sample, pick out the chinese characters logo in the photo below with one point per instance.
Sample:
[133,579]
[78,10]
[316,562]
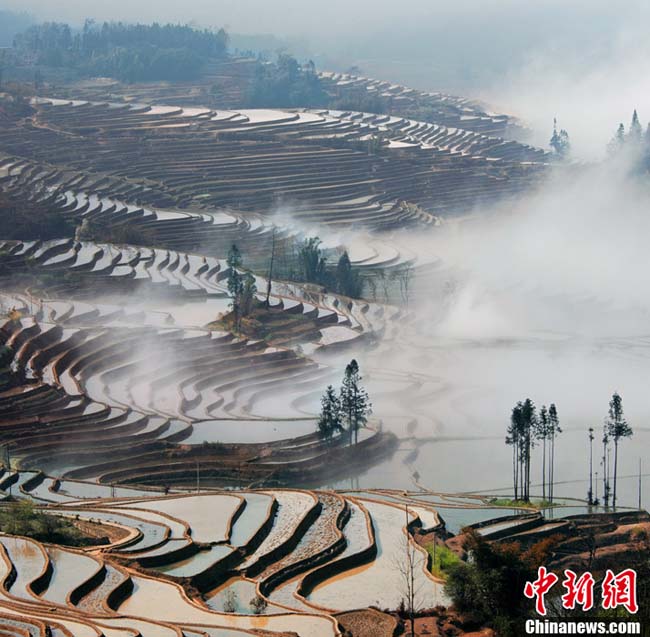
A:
[616,590]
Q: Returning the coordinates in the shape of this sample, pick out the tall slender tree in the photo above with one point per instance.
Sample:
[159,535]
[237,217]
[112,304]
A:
[513,439]
[541,433]
[590,493]
[529,417]
[636,132]
[521,435]
[235,280]
[355,404]
[329,422]
[605,464]
[554,430]
[617,428]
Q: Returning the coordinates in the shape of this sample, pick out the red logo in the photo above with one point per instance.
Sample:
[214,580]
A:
[617,590]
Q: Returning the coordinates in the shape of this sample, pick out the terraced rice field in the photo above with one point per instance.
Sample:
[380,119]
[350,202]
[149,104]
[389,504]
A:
[337,547]
[134,409]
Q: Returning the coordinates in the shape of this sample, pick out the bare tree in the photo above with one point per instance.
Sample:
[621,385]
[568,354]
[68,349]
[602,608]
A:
[269,282]
[408,562]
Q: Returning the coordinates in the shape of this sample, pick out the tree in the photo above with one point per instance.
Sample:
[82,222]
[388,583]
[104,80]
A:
[590,493]
[618,141]
[355,404]
[521,434]
[329,422]
[231,601]
[513,438]
[560,142]
[235,281]
[605,463]
[269,283]
[529,420]
[407,562]
[554,430]
[247,295]
[312,261]
[348,280]
[617,428]
[542,431]
[636,132]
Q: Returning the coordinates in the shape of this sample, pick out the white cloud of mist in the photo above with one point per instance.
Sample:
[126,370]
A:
[570,258]
[589,88]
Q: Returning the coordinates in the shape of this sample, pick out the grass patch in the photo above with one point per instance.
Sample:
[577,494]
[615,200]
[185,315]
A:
[442,559]
[522,504]
[22,518]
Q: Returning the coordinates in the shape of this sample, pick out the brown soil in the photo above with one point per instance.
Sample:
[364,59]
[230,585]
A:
[99,531]
[275,326]
[367,623]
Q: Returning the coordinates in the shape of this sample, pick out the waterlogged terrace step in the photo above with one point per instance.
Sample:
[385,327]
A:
[70,570]
[173,606]
[293,516]
[209,517]
[365,585]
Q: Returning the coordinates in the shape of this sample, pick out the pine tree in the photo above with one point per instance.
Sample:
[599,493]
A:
[636,132]
[235,281]
[560,142]
[554,142]
[355,404]
[247,295]
[565,145]
[541,433]
[312,262]
[529,423]
[513,438]
[348,280]
[554,430]
[617,428]
[618,141]
[329,422]
[605,462]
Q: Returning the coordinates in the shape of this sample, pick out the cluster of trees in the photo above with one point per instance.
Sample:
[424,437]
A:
[634,141]
[615,429]
[488,588]
[31,219]
[241,287]
[23,518]
[559,142]
[349,410]
[526,429]
[129,52]
[11,24]
[314,269]
[286,83]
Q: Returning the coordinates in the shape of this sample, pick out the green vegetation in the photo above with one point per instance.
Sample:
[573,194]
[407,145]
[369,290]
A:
[313,269]
[526,429]
[442,559]
[489,588]
[329,421]
[32,219]
[241,287]
[616,427]
[347,411]
[286,83]
[22,518]
[522,504]
[128,52]
[559,142]
[634,144]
